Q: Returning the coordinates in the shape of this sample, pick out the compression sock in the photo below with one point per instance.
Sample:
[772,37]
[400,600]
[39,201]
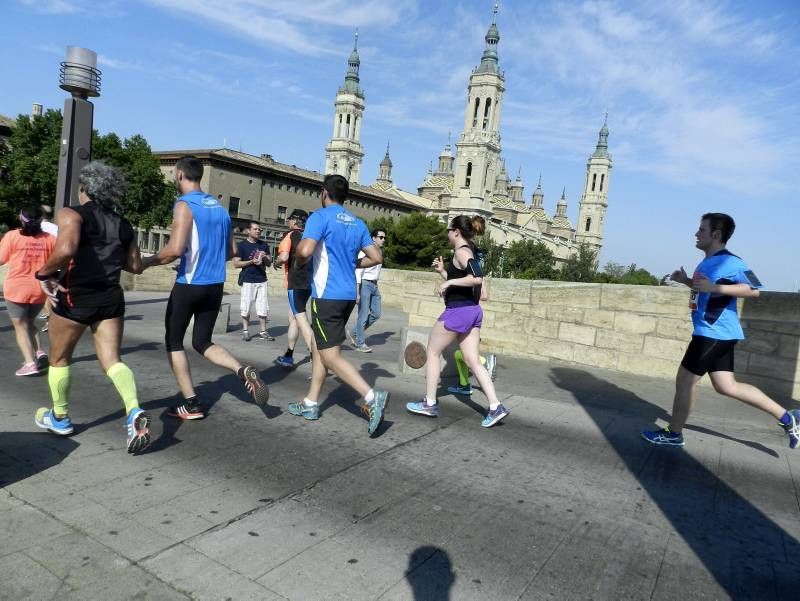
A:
[59,381]
[122,377]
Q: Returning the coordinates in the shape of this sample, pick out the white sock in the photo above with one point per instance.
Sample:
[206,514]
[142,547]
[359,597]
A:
[308,403]
[493,407]
[370,396]
[429,402]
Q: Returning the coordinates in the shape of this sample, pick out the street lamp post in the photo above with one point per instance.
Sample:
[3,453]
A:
[81,78]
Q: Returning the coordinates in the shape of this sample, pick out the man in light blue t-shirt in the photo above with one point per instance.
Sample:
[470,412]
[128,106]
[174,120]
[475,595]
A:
[718,281]
[332,240]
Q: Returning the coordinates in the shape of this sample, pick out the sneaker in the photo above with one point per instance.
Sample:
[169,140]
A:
[374,410]
[138,428]
[663,437]
[284,361]
[255,385]
[303,410]
[27,369]
[187,410]
[363,348]
[423,408]
[460,389]
[352,336]
[42,360]
[491,365]
[46,419]
[494,416]
[793,429]
[265,336]
[245,335]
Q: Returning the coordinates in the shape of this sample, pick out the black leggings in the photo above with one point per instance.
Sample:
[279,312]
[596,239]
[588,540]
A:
[187,301]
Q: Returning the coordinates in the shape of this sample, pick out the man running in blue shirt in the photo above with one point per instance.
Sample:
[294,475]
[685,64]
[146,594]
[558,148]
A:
[203,240]
[718,281]
[333,237]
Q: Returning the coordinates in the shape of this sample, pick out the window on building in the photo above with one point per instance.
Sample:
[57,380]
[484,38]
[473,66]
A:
[588,224]
[594,180]
[602,180]
[233,205]
[347,127]
[339,127]
[475,113]
[355,123]
[469,175]
[486,110]
[281,214]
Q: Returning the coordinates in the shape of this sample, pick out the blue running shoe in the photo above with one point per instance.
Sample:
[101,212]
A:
[46,419]
[491,365]
[423,408]
[138,428]
[793,428]
[303,410]
[284,361]
[374,410]
[663,437]
[460,389]
[494,416]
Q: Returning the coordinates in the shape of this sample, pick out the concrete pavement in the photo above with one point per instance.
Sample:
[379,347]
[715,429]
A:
[564,500]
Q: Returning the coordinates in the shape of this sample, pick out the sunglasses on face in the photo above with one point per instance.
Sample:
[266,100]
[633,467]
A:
[381,237]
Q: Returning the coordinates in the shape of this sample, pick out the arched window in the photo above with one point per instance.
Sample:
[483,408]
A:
[594,180]
[339,129]
[588,223]
[486,110]
[602,180]
[469,175]
[347,127]
[475,113]
[355,123]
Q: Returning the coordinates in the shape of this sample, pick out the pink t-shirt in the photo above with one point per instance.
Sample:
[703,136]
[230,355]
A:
[25,256]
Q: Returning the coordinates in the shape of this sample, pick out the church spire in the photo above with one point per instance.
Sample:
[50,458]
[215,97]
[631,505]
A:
[602,140]
[385,168]
[489,58]
[351,80]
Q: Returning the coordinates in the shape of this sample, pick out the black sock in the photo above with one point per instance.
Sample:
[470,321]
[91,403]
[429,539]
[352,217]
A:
[289,352]
[191,400]
[240,373]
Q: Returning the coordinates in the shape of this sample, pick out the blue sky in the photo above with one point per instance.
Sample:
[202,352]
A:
[703,97]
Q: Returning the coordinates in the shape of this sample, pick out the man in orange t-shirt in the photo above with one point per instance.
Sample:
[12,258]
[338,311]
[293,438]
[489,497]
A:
[26,250]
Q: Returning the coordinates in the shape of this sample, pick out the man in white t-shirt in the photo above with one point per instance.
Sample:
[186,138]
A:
[368,297]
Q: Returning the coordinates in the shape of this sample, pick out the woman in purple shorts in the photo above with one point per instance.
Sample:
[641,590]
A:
[461,319]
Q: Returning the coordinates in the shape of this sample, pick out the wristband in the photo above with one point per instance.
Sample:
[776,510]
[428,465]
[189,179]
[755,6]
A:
[44,278]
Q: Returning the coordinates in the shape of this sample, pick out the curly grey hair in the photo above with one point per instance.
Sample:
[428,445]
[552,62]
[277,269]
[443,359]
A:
[103,184]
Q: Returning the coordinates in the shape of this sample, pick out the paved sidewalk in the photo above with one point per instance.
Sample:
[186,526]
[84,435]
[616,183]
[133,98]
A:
[564,500]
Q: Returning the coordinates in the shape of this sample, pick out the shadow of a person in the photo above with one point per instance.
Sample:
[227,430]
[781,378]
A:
[25,454]
[430,574]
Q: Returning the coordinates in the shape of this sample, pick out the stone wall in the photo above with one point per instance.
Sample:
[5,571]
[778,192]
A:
[636,329]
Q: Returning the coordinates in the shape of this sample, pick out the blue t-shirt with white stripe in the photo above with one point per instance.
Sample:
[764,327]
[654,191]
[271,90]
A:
[715,315]
[203,260]
[339,235]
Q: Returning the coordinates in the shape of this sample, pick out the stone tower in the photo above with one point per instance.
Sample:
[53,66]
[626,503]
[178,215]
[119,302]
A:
[385,168]
[344,153]
[594,200]
[478,149]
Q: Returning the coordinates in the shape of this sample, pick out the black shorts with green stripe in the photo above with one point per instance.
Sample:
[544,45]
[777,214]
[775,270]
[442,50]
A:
[329,321]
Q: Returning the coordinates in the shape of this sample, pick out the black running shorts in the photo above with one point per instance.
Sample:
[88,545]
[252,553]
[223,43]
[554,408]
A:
[298,299]
[187,301]
[89,309]
[329,321]
[707,355]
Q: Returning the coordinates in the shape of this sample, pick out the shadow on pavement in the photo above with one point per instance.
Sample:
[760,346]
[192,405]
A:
[125,350]
[748,554]
[430,574]
[25,454]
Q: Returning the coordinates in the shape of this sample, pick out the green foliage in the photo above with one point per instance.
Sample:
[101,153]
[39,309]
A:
[29,170]
[528,260]
[493,260]
[413,241]
[581,266]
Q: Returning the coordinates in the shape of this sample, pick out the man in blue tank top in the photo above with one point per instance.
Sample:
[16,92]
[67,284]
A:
[331,240]
[203,240]
[718,281]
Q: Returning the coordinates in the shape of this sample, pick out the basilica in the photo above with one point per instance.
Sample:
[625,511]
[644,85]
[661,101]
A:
[475,180]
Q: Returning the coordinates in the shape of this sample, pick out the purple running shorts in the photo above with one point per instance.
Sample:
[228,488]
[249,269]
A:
[462,319]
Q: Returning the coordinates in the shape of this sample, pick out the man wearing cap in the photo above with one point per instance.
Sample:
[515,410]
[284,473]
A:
[298,287]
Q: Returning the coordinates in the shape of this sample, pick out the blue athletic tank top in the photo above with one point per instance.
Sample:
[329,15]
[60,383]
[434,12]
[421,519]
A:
[203,261]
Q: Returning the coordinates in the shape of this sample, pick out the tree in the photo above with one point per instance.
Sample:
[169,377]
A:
[581,266]
[29,170]
[414,241]
[640,277]
[528,260]
[493,258]
[614,271]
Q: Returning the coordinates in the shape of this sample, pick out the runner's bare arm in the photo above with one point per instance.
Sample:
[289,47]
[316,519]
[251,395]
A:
[736,290]
[133,259]
[179,237]
[69,235]
[374,257]
[304,251]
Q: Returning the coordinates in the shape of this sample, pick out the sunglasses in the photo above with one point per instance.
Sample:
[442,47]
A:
[381,237]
